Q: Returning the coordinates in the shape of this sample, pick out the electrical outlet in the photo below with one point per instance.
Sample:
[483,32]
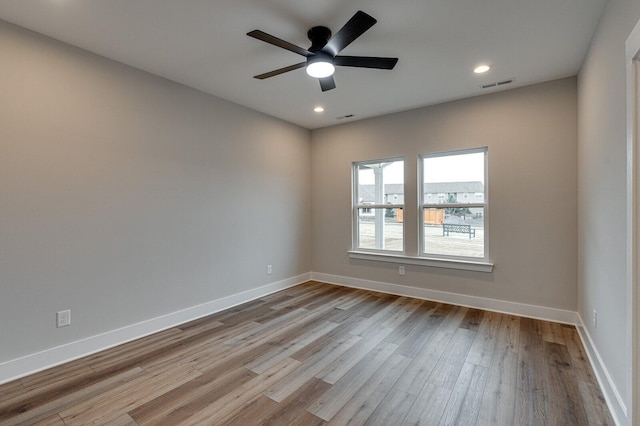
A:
[269,269]
[595,319]
[63,318]
[401,269]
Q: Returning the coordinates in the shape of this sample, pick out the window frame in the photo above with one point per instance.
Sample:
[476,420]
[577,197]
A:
[355,206]
[423,204]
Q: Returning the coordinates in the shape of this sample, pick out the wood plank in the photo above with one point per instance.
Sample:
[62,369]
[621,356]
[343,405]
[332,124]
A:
[352,298]
[334,372]
[398,317]
[137,349]
[499,396]
[428,407]
[464,405]
[446,371]
[509,334]
[364,309]
[297,290]
[240,315]
[415,321]
[224,356]
[552,332]
[579,360]
[339,332]
[420,335]
[415,376]
[332,298]
[563,403]
[253,412]
[123,420]
[112,404]
[595,404]
[366,400]
[301,299]
[472,319]
[312,366]
[531,393]
[195,352]
[251,306]
[53,420]
[252,347]
[232,402]
[298,341]
[293,409]
[344,389]
[181,402]
[14,397]
[392,410]
[372,304]
[34,410]
[454,319]
[258,332]
[380,318]
[13,388]
[55,377]
[483,346]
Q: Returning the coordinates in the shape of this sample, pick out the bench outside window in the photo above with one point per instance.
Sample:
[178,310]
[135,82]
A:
[460,229]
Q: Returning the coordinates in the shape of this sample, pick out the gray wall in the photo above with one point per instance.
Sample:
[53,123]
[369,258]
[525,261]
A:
[125,196]
[602,188]
[531,135]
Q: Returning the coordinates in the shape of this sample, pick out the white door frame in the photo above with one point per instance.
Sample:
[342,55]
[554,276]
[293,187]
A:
[633,220]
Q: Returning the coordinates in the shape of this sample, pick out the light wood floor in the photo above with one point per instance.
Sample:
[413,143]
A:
[317,354]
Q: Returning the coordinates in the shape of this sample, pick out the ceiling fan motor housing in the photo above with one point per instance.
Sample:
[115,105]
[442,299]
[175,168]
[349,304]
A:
[319,37]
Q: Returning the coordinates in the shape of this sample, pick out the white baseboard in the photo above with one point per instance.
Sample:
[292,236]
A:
[616,404]
[503,306]
[20,367]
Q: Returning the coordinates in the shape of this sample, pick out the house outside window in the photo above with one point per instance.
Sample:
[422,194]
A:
[378,203]
[454,228]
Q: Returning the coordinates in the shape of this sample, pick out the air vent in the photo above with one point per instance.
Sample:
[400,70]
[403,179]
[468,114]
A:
[498,83]
[345,116]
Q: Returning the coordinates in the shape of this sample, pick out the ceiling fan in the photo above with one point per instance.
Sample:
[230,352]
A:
[322,56]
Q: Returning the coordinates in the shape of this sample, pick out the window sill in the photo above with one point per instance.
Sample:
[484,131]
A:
[465,265]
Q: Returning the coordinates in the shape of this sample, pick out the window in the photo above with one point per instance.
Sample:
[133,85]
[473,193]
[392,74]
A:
[378,205]
[454,226]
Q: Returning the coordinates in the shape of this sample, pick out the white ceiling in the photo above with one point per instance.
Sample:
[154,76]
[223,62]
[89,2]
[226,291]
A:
[202,44]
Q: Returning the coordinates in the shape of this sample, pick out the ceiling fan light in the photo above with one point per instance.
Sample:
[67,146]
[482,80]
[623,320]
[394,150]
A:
[320,67]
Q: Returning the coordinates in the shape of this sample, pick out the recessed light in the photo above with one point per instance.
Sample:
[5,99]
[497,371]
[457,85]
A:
[481,69]
[318,109]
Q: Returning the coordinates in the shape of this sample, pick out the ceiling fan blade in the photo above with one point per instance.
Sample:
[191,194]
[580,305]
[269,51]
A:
[354,28]
[280,71]
[327,83]
[268,38]
[365,62]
